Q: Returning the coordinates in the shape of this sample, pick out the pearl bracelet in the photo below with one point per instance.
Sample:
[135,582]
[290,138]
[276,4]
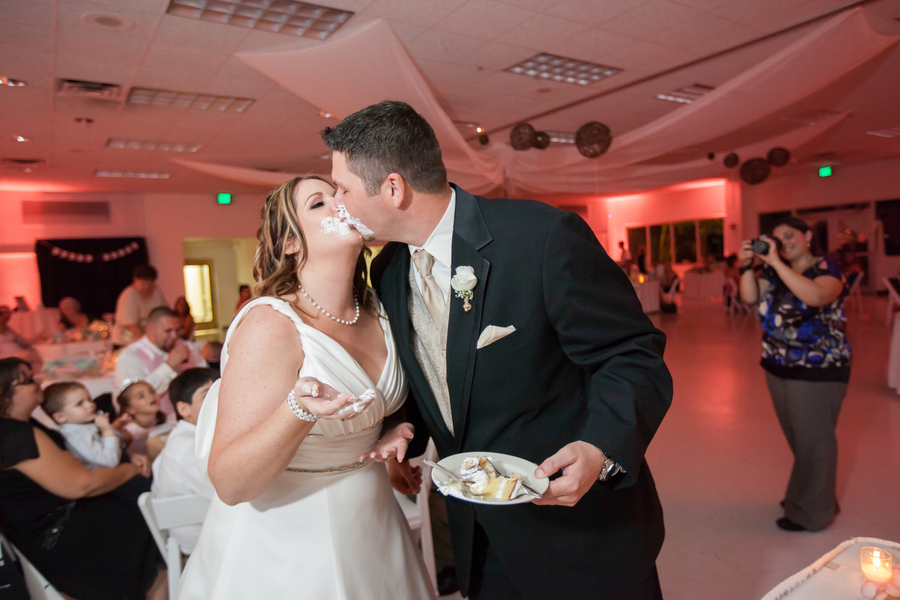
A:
[301,414]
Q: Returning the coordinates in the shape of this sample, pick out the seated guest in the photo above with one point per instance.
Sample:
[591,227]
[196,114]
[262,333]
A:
[14,345]
[187,327]
[134,305]
[212,354]
[140,402]
[244,295]
[175,471]
[87,542]
[89,436]
[70,315]
[158,356]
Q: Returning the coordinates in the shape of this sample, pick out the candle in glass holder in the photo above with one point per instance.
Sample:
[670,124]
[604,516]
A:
[876,564]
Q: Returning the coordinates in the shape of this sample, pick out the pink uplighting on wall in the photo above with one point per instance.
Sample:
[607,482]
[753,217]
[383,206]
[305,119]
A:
[20,278]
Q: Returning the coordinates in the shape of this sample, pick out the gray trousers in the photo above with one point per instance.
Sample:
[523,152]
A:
[808,413]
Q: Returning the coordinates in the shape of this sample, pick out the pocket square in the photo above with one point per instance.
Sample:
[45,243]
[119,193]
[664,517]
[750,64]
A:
[492,333]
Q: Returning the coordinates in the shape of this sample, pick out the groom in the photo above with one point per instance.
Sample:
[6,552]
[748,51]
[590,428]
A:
[571,375]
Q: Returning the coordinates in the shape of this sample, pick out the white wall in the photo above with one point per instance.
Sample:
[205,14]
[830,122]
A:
[707,199]
[801,187]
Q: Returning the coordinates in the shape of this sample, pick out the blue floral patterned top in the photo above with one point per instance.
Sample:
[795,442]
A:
[800,341]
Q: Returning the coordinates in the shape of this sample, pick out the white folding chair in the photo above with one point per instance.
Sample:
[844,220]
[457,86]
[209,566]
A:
[418,514]
[166,513]
[38,586]
[893,288]
[854,294]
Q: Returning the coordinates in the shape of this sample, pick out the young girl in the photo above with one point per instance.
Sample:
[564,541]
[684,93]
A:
[140,400]
[89,436]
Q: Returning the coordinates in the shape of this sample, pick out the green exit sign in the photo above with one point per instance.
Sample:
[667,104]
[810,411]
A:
[825,171]
[224,198]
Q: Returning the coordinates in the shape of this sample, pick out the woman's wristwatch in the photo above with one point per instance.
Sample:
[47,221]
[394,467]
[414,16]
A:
[744,268]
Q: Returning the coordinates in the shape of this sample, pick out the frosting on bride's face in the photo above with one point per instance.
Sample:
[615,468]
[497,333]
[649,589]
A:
[319,217]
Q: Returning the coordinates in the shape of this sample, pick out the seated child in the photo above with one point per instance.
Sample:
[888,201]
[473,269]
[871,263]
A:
[175,471]
[140,401]
[89,436]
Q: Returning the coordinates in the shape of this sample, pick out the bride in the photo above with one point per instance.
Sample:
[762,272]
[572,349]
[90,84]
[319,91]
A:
[298,515]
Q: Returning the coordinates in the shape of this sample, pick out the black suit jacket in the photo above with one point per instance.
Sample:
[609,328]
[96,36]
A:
[584,363]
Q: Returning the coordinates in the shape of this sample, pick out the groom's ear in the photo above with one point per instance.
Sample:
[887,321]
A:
[396,190]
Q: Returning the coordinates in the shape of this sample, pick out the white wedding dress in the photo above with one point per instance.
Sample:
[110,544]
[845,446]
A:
[326,529]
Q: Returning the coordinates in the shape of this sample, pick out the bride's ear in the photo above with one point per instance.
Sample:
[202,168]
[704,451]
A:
[292,247]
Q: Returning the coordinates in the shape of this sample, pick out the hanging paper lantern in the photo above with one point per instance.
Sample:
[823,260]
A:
[731,160]
[593,139]
[778,157]
[522,136]
[755,171]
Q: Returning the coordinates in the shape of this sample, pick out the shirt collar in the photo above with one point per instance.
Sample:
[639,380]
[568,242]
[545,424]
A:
[440,243]
[153,347]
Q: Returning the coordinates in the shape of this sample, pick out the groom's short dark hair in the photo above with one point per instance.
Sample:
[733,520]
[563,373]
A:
[389,137]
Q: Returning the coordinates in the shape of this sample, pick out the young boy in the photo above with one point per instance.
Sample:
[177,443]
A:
[89,436]
[175,471]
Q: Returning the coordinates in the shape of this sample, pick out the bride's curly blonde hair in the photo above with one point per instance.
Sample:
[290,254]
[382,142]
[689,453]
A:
[274,269]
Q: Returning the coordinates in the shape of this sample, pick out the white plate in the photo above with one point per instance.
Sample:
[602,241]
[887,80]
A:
[505,463]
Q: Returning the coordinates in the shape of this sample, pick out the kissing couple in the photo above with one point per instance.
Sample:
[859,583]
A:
[540,351]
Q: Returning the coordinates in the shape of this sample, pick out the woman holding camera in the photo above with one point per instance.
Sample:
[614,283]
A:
[806,358]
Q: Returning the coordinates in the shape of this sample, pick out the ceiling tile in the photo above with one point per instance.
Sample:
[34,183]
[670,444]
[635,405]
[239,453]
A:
[441,46]
[543,33]
[494,56]
[698,31]
[647,20]
[596,45]
[424,13]
[646,58]
[536,5]
[592,12]
[484,19]
[37,13]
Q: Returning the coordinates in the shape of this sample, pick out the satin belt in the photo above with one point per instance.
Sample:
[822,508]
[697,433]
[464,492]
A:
[320,454]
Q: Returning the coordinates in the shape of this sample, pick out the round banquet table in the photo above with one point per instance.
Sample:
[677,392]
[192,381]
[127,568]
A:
[648,293]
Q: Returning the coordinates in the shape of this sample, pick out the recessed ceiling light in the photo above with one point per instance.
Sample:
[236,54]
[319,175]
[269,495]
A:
[11,82]
[290,17]
[563,70]
[100,173]
[893,132]
[21,138]
[108,22]
[188,100]
[126,144]
[325,113]
[687,94]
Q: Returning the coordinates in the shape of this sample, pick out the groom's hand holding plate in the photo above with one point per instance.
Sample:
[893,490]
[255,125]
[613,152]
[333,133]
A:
[580,463]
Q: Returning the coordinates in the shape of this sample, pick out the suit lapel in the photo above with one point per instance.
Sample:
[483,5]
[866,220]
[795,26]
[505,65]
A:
[470,234]
[395,291]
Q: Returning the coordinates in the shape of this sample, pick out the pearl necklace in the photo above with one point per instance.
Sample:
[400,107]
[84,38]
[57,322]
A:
[328,314]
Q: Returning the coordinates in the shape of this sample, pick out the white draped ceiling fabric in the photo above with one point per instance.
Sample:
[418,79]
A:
[372,65]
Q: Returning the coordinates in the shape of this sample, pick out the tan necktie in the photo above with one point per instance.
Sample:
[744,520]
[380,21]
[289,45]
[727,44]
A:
[431,291]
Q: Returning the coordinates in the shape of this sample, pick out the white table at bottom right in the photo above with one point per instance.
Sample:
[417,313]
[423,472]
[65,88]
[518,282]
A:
[835,576]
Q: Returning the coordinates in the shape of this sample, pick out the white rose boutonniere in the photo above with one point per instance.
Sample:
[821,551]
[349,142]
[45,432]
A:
[463,283]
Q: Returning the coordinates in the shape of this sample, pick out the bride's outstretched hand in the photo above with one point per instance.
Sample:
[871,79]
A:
[392,445]
[322,400]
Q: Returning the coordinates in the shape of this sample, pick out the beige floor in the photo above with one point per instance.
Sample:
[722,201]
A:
[721,462]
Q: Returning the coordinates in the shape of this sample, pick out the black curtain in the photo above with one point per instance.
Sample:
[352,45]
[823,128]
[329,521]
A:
[93,271]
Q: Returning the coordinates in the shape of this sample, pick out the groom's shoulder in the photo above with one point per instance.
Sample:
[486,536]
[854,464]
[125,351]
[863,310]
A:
[519,216]
[382,260]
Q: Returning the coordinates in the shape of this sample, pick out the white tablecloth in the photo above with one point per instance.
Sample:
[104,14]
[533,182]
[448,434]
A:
[648,294]
[35,322]
[702,286]
[835,576]
[50,352]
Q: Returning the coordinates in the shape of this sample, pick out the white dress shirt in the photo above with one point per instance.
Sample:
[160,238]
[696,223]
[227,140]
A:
[144,361]
[175,473]
[439,245]
[92,449]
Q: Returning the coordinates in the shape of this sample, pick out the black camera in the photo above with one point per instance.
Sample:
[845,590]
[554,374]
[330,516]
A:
[761,247]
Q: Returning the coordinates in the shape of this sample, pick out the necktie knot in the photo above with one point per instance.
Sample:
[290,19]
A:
[424,261]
